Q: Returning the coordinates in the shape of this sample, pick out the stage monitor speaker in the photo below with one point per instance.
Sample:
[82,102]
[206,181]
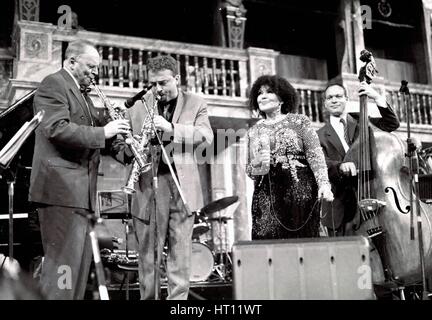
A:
[303,269]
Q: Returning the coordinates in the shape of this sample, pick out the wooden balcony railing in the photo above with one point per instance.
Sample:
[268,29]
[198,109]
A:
[203,69]
[420,100]
[126,67]
[222,75]
[310,94]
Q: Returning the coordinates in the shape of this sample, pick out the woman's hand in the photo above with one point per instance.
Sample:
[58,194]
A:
[261,159]
[325,193]
[264,156]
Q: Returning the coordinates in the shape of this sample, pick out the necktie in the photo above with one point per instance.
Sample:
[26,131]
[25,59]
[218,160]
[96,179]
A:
[84,90]
[345,131]
[166,112]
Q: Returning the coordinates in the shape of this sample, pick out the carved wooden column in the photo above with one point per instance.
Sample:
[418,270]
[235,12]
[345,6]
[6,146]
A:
[354,18]
[228,178]
[427,9]
[36,56]
[27,10]
[349,36]
[230,22]
[344,42]
[244,185]
[222,185]
[357,31]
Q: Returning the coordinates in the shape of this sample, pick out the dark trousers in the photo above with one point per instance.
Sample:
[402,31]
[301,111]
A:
[67,252]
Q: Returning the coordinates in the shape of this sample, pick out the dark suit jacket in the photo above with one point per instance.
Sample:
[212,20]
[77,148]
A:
[191,129]
[66,153]
[344,205]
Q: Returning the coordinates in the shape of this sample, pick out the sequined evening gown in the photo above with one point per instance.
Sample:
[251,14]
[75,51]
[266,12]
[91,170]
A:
[285,196]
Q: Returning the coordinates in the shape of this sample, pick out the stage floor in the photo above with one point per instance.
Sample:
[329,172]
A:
[204,290]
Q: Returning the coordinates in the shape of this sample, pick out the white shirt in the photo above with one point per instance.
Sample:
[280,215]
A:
[339,128]
[70,73]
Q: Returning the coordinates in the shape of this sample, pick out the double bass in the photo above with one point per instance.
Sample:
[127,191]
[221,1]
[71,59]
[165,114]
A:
[384,191]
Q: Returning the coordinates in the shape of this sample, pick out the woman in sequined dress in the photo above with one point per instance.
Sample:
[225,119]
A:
[287,164]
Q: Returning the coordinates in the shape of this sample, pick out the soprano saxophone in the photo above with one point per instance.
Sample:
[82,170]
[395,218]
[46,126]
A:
[116,113]
[146,134]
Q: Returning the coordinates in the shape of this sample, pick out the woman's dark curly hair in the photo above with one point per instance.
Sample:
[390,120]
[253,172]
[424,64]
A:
[281,87]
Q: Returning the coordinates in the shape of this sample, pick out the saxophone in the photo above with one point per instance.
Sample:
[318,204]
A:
[146,134]
[116,113]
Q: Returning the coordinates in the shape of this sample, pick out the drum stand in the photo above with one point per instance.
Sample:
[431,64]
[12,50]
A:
[126,278]
[221,268]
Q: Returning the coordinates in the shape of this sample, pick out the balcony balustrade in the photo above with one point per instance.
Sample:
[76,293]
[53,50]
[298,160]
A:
[222,75]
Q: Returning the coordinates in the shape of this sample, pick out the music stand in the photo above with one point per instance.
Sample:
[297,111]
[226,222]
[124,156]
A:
[7,155]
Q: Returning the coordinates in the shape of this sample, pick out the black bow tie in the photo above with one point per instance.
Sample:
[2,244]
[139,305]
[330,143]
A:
[84,90]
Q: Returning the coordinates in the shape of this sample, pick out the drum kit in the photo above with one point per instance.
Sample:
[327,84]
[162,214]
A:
[210,263]
[207,258]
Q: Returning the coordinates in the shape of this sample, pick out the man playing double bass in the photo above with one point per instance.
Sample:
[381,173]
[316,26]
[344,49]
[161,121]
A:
[336,137]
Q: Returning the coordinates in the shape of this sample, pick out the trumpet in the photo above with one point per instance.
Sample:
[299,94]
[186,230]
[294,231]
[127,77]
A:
[116,113]
[146,134]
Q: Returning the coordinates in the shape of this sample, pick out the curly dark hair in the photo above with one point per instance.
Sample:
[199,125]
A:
[162,62]
[281,87]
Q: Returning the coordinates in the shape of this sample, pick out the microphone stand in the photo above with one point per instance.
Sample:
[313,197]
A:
[100,274]
[156,251]
[155,187]
[414,172]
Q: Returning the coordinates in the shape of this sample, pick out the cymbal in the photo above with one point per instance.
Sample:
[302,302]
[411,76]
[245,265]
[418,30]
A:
[218,205]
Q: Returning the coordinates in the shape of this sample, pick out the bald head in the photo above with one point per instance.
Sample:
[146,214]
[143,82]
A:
[79,47]
[335,99]
[82,60]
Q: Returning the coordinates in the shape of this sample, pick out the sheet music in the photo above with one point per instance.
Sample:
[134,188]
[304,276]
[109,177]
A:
[14,145]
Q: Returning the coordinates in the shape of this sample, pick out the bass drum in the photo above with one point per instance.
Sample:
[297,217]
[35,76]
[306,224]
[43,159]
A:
[202,262]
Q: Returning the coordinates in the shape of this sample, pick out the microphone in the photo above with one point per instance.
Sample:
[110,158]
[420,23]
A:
[131,101]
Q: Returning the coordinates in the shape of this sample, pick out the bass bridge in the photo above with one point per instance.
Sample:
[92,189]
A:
[369,210]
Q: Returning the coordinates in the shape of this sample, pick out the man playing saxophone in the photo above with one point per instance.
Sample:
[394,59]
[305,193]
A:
[182,120]
[64,169]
